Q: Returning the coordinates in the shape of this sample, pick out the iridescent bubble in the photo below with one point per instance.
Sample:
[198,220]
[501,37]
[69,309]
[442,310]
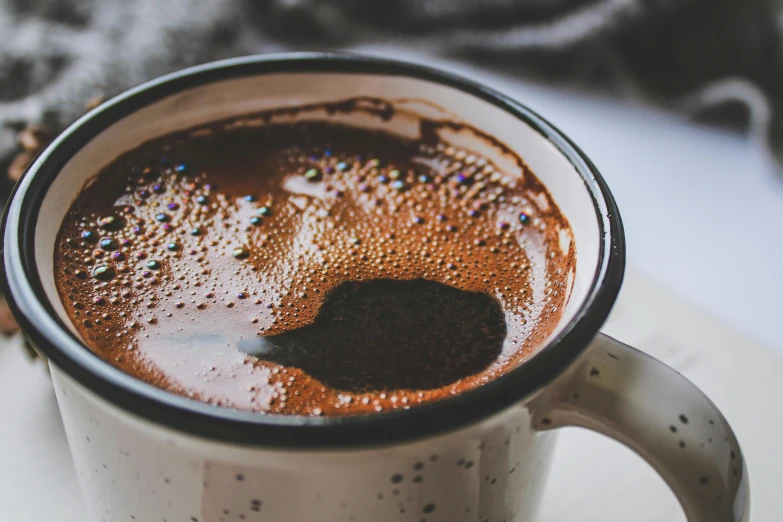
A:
[313,175]
[256,221]
[104,272]
[240,253]
[109,243]
[109,223]
[162,218]
[153,265]
[524,218]
[89,236]
[463,179]
[264,211]
[202,200]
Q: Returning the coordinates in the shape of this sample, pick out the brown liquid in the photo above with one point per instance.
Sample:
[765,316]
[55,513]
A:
[365,272]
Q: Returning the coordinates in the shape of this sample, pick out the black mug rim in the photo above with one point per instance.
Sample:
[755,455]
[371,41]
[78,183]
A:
[43,327]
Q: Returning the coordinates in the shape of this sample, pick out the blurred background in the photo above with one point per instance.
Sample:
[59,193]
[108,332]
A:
[678,102]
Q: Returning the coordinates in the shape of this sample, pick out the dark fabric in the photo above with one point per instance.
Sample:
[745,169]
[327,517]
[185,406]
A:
[689,54]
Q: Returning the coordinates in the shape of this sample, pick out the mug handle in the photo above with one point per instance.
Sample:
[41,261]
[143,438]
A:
[618,391]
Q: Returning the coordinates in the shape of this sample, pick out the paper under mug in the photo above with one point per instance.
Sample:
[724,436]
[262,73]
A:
[147,455]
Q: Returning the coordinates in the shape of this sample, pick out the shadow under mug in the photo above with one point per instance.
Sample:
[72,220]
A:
[147,455]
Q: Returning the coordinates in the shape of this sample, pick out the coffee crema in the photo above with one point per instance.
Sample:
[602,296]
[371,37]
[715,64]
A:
[312,268]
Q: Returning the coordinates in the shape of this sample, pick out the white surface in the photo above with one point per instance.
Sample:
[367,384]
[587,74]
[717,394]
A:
[593,479]
[702,207]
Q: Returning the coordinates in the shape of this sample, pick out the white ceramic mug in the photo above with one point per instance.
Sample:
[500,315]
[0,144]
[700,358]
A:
[147,455]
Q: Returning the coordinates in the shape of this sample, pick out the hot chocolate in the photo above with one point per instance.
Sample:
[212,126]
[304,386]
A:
[311,268]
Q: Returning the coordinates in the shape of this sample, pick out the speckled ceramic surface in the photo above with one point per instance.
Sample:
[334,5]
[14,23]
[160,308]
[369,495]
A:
[130,469]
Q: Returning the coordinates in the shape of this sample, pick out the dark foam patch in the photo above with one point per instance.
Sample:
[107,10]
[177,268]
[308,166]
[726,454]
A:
[387,335]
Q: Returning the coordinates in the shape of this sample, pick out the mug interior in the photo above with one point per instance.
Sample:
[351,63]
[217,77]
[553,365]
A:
[412,100]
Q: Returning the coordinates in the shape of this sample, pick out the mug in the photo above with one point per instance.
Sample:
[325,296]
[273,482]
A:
[147,455]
